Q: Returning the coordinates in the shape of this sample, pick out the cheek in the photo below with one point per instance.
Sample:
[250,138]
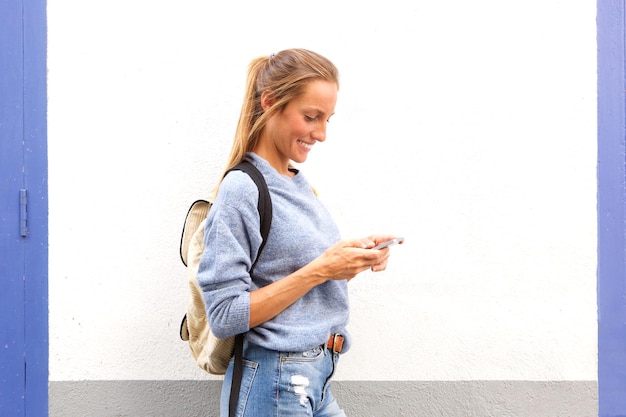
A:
[298,127]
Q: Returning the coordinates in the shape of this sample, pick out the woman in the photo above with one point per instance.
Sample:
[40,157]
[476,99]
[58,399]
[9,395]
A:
[294,310]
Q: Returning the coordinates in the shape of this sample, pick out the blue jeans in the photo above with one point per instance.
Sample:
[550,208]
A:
[278,384]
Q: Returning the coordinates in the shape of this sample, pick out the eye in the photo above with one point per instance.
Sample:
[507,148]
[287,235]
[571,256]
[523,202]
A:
[309,118]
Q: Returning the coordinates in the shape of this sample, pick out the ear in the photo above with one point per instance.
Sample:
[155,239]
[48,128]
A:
[267,99]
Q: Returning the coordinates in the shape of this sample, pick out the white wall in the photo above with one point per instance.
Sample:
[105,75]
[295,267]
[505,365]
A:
[467,127]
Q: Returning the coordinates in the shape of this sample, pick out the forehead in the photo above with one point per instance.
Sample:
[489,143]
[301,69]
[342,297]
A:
[320,94]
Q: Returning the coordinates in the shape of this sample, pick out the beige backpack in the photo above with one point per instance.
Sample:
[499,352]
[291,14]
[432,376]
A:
[211,353]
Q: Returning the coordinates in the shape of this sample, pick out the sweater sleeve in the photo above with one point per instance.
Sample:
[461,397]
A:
[232,238]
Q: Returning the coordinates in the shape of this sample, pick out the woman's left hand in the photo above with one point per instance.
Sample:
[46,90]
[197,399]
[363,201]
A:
[375,240]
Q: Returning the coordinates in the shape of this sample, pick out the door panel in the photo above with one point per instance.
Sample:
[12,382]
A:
[12,385]
[23,210]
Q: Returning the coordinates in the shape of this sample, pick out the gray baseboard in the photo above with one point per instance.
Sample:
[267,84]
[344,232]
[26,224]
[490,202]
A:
[358,398]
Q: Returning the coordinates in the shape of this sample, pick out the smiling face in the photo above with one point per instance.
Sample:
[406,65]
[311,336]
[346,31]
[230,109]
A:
[291,133]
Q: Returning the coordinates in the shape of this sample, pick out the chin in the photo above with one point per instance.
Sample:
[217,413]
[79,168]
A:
[299,159]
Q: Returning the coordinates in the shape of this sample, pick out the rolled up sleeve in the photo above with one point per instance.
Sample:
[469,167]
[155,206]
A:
[231,239]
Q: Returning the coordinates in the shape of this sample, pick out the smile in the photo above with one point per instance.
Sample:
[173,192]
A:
[306,145]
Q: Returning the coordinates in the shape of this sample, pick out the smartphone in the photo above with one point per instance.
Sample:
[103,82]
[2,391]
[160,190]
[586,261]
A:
[389,242]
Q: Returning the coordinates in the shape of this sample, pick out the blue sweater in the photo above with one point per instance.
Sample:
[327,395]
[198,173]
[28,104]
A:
[302,229]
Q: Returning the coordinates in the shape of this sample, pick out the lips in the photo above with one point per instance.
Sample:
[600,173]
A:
[307,146]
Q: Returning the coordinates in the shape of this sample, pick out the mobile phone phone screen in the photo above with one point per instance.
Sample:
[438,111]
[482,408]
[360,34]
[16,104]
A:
[389,242]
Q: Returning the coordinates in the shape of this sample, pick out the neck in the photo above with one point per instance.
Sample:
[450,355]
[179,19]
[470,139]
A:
[271,156]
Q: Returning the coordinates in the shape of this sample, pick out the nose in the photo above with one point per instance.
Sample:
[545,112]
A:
[319,134]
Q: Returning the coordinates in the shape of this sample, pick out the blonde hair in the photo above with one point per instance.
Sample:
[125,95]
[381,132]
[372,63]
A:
[285,76]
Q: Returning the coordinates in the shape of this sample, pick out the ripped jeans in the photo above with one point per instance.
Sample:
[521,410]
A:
[284,384]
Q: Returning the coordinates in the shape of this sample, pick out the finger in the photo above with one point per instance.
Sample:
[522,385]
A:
[378,239]
[369,243]
[380,266]
[358,243]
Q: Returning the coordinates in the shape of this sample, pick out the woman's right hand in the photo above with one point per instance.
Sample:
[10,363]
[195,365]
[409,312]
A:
[343,260]
[347,258]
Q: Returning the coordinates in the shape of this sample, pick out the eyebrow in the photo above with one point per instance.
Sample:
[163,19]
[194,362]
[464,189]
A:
[318,110]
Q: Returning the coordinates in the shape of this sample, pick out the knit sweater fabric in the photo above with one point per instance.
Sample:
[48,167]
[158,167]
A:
[302,229]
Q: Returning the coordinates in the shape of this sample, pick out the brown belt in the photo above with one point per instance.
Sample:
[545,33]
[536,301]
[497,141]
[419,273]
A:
[335,343]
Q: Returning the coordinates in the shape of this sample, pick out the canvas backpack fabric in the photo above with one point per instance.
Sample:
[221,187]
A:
[211,353]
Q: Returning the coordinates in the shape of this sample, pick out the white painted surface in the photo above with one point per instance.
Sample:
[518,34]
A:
[468,128]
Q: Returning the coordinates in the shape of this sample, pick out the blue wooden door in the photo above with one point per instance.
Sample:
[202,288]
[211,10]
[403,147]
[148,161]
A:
[23,210]
[611,18]
[12,257]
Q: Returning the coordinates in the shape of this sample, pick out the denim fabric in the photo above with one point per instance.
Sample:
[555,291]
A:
[278,384]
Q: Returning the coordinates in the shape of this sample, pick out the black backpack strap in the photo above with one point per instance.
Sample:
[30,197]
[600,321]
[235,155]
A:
[265,202]
[235,386]
[265,213]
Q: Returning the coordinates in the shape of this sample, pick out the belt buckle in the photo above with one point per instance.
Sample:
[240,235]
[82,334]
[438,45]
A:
[335,336]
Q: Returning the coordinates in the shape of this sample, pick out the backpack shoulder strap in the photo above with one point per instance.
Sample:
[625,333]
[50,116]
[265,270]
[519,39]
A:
[265,202]
[265,212]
